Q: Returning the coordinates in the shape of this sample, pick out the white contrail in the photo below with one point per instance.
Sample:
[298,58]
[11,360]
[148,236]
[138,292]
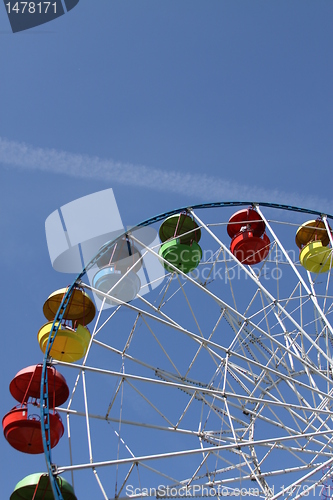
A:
[192,186]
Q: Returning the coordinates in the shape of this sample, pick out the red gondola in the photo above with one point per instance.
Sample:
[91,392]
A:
[23,429]
[249,244]
[26,383]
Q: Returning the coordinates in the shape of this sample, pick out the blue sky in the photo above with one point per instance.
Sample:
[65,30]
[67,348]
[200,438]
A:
[169,103]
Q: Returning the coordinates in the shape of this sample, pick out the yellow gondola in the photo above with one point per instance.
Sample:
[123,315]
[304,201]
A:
[313,239]
[69,345]
[316,258]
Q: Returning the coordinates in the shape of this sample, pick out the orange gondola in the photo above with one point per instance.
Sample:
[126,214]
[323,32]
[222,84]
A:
[80,308]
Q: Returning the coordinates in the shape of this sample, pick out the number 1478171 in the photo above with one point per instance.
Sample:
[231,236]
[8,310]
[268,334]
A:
[31,7]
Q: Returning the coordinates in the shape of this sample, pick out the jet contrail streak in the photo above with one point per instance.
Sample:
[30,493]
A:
[194,186]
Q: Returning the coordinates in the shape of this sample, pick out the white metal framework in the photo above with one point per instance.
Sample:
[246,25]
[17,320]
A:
[216,383]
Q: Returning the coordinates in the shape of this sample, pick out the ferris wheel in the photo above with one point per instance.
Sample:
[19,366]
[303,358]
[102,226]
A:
[193,364]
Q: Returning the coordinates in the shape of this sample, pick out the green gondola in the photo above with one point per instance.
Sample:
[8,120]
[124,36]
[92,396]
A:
[37,486]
